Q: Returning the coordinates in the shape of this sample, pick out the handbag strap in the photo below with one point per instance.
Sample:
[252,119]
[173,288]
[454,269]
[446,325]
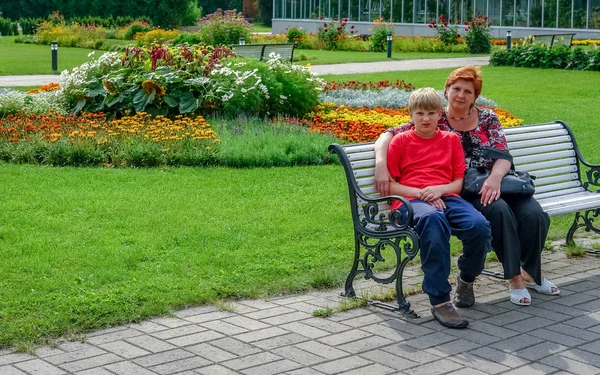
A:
[492,153]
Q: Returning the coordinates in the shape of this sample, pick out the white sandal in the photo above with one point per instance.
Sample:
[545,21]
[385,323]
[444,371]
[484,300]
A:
[545,288]
[517,295]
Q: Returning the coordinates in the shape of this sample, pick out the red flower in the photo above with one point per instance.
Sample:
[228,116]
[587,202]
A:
[458,35]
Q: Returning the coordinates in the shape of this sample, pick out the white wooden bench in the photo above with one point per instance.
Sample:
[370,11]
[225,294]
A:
[262,51]
[553,39]
[547,151]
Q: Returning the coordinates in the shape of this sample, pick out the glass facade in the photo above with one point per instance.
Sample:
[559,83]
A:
[569,14]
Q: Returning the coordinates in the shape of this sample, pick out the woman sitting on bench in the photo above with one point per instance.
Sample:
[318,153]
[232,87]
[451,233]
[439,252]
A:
[519,226]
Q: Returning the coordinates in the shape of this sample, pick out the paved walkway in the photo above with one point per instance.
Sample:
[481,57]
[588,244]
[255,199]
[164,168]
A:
[350,68]
[556,335]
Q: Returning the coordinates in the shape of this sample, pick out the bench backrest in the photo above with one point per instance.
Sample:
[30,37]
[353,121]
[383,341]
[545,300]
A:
[547,151]
[262,51]
[552,39]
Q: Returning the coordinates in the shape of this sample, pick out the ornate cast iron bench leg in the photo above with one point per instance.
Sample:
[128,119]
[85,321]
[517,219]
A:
[586,221]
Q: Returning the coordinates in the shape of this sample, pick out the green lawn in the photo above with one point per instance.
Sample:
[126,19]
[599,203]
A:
[315,57]
[85,248]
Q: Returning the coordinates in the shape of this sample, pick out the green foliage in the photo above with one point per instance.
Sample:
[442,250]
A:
[224,28]
[295,34]
[189,38]
[446,31]
[378,39]
[478,34]
[128,31]
[332,32]
[540,56]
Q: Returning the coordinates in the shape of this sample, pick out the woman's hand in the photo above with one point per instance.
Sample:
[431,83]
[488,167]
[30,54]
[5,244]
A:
[382,180]
[490,191]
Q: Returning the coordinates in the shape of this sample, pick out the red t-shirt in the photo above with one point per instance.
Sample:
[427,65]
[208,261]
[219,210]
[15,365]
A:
[420,162]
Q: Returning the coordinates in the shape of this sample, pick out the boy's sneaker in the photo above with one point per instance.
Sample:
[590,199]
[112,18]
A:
[464,296]
[447,315]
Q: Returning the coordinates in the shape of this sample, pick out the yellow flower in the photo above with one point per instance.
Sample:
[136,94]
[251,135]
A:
[150,86]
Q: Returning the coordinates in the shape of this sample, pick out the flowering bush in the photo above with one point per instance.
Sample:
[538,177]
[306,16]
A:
[89,139]
[44,101]
[224,27]
[128,31]
[332,32]
[478,34]
[356,85]
[378,39]
[156,35]
[70,35]
[446,31]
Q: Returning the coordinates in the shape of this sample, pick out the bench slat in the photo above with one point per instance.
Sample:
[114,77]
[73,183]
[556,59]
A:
[564,185]
[589,202]
[556,194]
[553,171]
[350,149]
[532,128]
[535,135]
[536,142]
[554,179]
[543,157]
[541,149]
[532,168]
[361,155]
[363,164]
[366,172]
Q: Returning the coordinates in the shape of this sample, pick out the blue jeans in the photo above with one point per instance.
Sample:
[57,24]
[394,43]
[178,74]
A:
[434,228]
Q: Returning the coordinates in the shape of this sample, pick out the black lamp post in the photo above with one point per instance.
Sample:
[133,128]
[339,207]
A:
[508,39]
[54,47]
[389,45]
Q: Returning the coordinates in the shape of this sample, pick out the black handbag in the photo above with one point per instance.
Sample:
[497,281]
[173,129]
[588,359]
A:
[514,183]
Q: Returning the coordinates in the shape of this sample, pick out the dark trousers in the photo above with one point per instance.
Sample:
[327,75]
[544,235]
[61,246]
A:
[519,230]
[434,228]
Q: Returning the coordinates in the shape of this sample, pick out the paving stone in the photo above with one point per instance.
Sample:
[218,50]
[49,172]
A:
[39,367]
[163,357]
[103,332]
[151,344]
[409,327]
[321,350]
[128,368]
[530,324]
[75,355]
[223,327]
[573,331]
[251,361]
[258,304]
[578,299]
[279,341]
[368,343]
[342,365]
[389,359]
[388,332]
[206,317]
[268,313]
[541,350]
[124,349]
[181,365]
[114,336]
[592,359]
[304,371]
[366,320]
[211,352]
[273,368]
[467,371]
[10,370]
[261,334]
[298,355]
[349,315]
[516,343]
[95,371]
[344,337]
[429,341]
[545,313]
[492,329]
[452,347]
[195,338]
[478,363]
[375,368]
[46,351]
[7,359]
[441,366]
[586,321]
[412,354]
[574,312]
[287,318]
[468,334]
[304,330]
[235,346]
[557,337]
[581,286]
[215,370]
[198,310]
[70,346]
[290,300]
[91,362]
[532,369]
[178,332]
[500,357]
[508,317]
[245,322]
[326,325]
[306,307]
[569,364]
[171,322]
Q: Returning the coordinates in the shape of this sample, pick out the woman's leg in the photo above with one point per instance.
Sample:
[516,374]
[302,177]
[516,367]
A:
[505,235]
[533,224]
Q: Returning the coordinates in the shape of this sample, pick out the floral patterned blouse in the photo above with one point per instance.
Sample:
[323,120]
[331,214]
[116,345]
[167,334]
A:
[488,133]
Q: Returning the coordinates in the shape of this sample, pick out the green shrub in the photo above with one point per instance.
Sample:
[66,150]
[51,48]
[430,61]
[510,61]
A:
[540,56]
[594,60]
[224,28]
[30,25]
[128,31]
[189,38]
[7,27]
[478,35]
[578,59]
[378,39]
[333,31]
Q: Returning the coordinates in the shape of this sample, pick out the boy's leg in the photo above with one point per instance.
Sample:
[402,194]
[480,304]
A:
[471,227]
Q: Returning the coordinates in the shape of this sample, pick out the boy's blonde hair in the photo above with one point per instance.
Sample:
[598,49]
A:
[426,99]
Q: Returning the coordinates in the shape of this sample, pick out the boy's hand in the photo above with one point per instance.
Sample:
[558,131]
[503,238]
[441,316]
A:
[438,203]
[431,193]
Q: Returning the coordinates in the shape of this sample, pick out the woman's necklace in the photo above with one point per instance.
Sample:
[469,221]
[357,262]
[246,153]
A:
[458,119]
